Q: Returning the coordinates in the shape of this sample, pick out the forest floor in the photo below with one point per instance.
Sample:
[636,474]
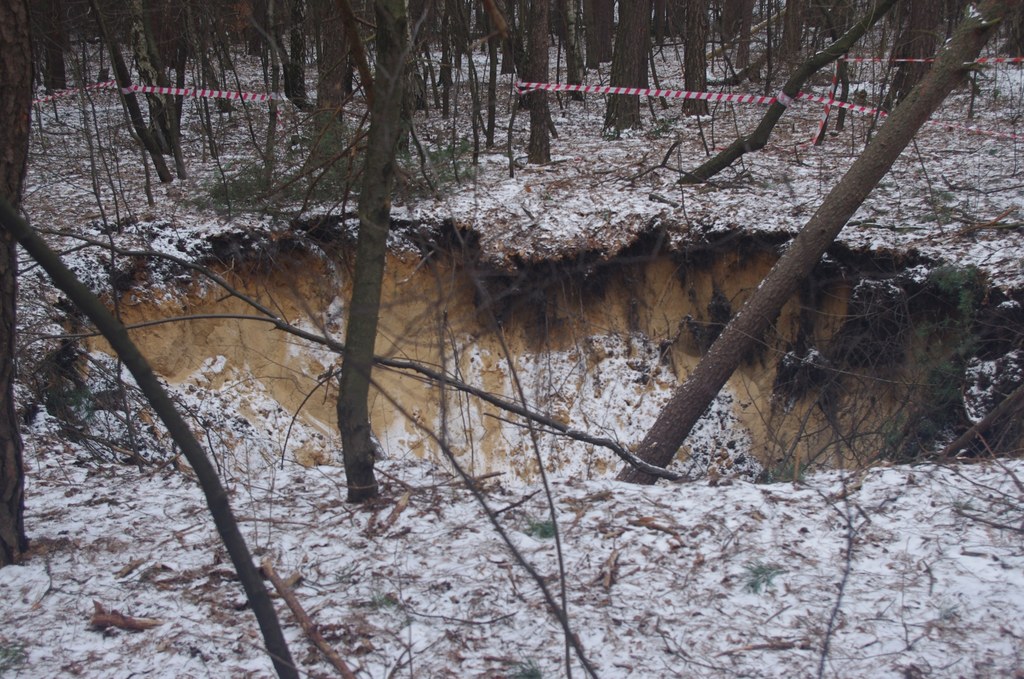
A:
[891,572]
[902,571]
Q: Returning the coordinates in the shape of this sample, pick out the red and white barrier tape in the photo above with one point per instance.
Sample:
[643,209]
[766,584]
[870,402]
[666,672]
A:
[819,136]
[523,87]
[148,89]
[782,98]
[886,60]
[841,104]
[60,94]
[202,93]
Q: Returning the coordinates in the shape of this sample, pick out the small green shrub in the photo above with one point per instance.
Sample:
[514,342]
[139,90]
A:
[965,286]
[540,528]
[13,656]
[760,575]
[525,670]
[383,601]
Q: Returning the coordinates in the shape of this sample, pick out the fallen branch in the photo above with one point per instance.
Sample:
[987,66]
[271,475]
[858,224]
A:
[652,523]
[774,645]
[1011,405]
[307,625]
[990,224]
[103,619]
[400,506]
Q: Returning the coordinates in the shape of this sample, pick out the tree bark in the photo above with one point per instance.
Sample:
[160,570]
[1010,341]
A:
[737,17]
[1014,44]
[597,23]
[695,61]
[691,399]
[333,68]
[629,63]
[573,53]
[216,497]
[162,112]
[356,50]
[15,104]
[295,64]
[759,137]
[920,22]
[386,127]
[131,102]
[539,150]
[792,30]
[54,38]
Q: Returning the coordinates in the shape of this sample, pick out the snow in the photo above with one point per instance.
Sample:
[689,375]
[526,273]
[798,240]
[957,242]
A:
[682,579]
[902,572]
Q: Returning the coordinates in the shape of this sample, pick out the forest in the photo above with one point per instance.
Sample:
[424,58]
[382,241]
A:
[512,338]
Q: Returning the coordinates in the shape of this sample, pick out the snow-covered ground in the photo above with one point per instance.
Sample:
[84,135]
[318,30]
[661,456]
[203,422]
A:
[892,572]
[903,572]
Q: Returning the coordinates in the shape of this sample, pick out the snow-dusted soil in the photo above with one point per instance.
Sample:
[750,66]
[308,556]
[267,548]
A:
[954,196]
[897,572]
[903,572]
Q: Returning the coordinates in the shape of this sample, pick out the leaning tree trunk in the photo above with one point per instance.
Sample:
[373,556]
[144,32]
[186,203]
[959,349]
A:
[629,64]
[116,335]
[386,126]
[128,98]
[759,137]
[740,335]
[15,104]
[162,111]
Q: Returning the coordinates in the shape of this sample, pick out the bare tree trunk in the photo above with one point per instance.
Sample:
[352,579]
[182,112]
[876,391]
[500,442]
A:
[573,53]
[216,496]
[737,17]
[691,399]
[356,51]
[792,30]
[597,20]
[539,151]
[131,104]
[759,137]
[374,221]
[54,37]
[920,22]
[695,61]
[162,113]
[295,64]
[333,66]
[629,64]
[15,104]
[1014,44]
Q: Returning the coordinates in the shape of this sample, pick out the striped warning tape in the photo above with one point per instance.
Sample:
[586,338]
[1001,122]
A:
[60,94]
[819,136]
[148,89]
[782,98]
[928,60]
[524,87]
[203,93]
[804,96]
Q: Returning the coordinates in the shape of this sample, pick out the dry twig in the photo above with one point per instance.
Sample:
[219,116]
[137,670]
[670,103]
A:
[102,619]
[304,620]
